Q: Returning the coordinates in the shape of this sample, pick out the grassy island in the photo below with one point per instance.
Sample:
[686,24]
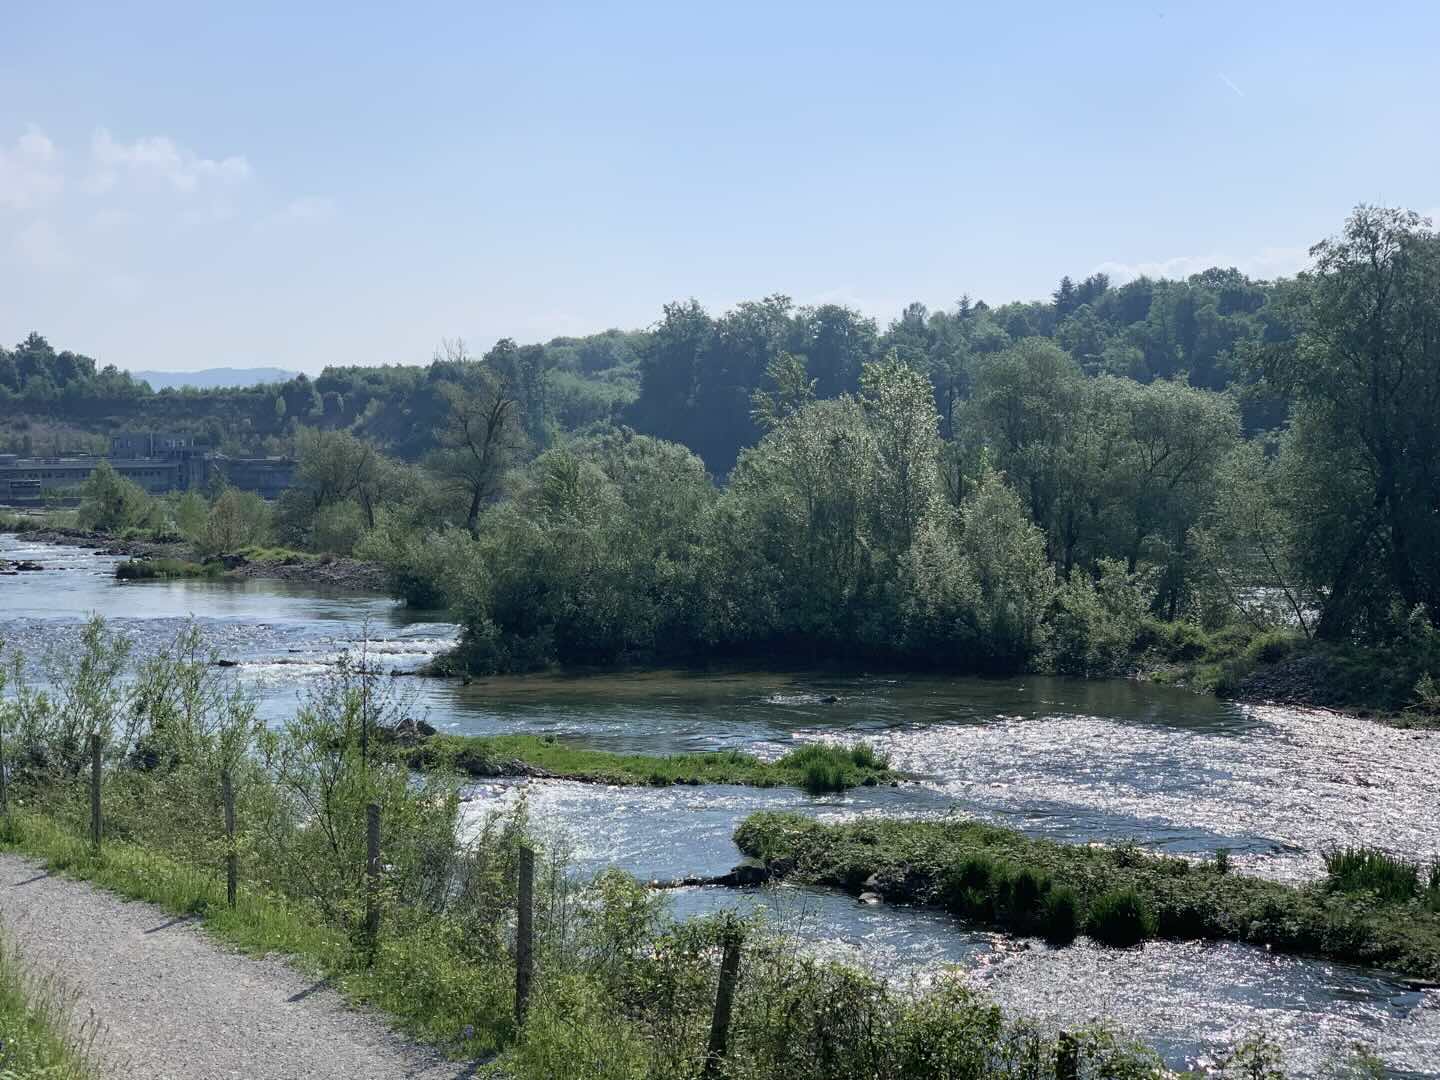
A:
[1370,909]
[817,767]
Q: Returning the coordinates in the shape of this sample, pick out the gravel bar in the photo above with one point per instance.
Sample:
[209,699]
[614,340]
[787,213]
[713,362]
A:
[168,1002]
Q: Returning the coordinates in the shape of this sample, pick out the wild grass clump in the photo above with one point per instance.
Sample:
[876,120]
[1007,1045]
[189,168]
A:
[1062,915]
[1364,869]
[40,1038]
[164,569]
[823,768]
[1121,917]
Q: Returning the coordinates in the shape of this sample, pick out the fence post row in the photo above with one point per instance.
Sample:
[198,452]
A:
[95,790]
[372,873]
[524,933]
[724,1002]
[227,796]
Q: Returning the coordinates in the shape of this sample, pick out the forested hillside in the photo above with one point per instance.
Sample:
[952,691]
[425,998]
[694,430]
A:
[690,377]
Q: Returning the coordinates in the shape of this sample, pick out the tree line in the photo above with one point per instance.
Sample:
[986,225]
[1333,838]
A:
[983,488]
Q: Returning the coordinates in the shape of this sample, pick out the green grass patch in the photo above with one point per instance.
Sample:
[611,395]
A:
[816,767]
[420,974]
[165,569]
[40,1037]
[1120,917]
[1391,879]
[997,876]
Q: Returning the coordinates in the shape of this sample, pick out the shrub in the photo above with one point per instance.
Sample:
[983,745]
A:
[822,776]
[1027,897]
[1120,917]
[1362,869]
[1271,647]
[1062,915]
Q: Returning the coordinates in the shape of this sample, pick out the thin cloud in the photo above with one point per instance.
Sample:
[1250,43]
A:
[1264,264]
[1227,81]
[29,171]
[158,159]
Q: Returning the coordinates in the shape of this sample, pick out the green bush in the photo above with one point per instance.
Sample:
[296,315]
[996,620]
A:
[1062,915]
[1120,917]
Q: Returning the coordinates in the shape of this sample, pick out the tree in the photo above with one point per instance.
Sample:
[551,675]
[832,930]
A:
[237,519]
[792,391]
[1366,370]
[480,438]
[110,502]
[900,410]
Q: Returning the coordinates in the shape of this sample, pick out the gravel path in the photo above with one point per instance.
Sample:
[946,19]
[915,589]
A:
[170,1003]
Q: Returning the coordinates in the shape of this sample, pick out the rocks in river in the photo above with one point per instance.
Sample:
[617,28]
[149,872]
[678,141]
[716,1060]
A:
[898,885]
[222,662]
[870,898]
[407,731]
[747,874]
[23,565]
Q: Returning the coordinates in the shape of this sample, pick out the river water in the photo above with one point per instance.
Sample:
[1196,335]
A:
[1081,761]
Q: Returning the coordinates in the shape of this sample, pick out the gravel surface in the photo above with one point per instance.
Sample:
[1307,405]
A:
[169,1003]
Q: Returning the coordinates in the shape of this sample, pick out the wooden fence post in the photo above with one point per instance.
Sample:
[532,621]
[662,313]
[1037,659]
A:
[95,790]
[4,779]
[524,933]
[227,796]
[372,874]
[1067,1058]
[724,1002]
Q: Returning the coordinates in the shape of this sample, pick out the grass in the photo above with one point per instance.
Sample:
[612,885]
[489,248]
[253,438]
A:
[1390,879]
[164,569]
[815,767]
[426,976]
[1214,662]
[39,1036]
[20,523]
[997,876]
[1120,917]
[436,1003]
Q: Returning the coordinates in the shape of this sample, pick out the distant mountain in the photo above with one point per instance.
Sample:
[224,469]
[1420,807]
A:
[213,377]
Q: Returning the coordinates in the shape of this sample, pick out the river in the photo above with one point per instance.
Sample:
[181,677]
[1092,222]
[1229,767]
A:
[1072,760]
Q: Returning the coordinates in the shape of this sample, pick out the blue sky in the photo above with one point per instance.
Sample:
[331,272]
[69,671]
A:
[183,186]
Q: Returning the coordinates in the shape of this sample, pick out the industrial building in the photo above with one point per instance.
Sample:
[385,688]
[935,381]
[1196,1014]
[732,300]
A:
[159,463]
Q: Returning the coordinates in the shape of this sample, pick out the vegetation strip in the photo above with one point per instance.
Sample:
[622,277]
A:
[39,1036]
[259,924]
[1372,909]
[817,767]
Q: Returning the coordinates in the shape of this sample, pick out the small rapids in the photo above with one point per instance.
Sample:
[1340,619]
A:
[1079,761]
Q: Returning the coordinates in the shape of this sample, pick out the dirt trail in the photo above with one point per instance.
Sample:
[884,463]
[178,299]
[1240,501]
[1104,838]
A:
[169,1003]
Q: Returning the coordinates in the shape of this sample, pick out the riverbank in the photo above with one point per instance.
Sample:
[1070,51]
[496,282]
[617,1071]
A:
[279,564]
[816,768]
[1117,895]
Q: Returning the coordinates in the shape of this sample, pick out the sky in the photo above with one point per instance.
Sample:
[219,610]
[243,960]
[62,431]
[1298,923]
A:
[188,185]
